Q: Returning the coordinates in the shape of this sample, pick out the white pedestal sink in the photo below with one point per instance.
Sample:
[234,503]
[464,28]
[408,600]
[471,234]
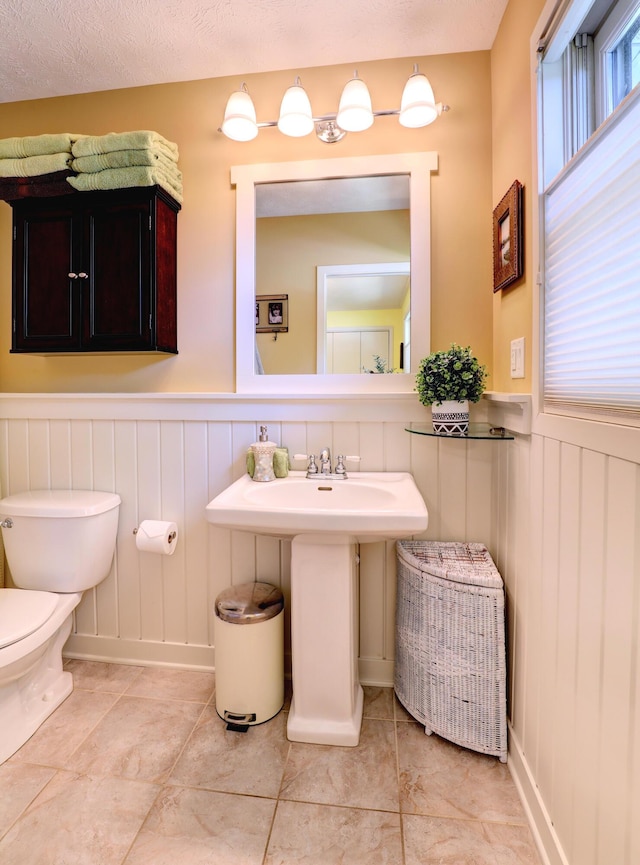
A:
[326,519]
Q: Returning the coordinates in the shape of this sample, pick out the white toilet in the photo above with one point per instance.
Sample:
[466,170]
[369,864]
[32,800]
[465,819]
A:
[57,543]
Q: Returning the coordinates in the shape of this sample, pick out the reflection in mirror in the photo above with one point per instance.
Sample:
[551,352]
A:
[303,226]
[347,241]
[364,311]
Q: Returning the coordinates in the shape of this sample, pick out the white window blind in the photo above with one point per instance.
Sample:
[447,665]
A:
[592,271]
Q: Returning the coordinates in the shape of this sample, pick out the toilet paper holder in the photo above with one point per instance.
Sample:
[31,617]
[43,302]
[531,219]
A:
[171,537]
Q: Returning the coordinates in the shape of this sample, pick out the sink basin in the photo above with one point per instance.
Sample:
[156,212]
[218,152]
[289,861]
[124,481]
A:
[370,506]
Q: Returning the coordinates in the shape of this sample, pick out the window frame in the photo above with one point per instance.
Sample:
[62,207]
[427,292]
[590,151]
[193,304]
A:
[597,432]
[609,34]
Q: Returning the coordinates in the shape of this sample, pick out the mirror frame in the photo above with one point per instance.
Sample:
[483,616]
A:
[245,178]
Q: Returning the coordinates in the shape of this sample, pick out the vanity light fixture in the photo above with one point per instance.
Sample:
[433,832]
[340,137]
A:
[355,114]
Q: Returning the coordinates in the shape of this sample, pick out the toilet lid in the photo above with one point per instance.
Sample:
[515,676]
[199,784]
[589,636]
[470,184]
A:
[22,612]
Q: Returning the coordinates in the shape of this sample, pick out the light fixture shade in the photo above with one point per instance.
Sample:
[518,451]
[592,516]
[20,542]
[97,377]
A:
[354,112]
[418,102]
[295,118]
[239,122]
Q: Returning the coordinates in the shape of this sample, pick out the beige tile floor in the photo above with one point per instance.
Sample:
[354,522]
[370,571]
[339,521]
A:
[136,768]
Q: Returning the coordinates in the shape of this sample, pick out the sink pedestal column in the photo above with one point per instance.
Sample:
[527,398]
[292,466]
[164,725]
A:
[327,697]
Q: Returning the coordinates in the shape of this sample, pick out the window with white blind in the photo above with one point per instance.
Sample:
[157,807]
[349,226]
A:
[591,217]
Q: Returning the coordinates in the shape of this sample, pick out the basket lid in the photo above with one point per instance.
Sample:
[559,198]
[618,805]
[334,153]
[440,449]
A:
[467,563]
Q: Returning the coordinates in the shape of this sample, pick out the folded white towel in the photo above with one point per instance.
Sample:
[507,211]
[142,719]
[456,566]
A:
[139,140]
[36,145]
[32,166]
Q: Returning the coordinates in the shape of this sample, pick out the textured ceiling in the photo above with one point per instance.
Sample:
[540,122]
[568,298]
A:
[59,47]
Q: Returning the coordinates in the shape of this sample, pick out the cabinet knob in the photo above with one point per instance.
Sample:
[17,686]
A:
[73,276]
[83,275]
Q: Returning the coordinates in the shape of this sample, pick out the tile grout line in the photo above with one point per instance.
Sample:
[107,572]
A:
[31,801]
[400,814]
[162,787]
[277,798]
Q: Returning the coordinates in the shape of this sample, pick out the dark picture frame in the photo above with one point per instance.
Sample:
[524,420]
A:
[272,313]
[507,238]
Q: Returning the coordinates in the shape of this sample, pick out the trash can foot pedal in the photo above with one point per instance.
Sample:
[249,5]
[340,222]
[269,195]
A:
[239,723]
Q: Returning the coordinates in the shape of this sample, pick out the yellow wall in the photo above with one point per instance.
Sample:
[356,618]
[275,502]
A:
[189,114]
[512,160]
[288,251]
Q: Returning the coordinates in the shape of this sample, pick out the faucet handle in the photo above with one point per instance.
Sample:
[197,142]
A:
[340,468]
[312,468]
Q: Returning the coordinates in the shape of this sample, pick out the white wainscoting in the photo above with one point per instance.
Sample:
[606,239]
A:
[569,550]
[561,519]
[168,456]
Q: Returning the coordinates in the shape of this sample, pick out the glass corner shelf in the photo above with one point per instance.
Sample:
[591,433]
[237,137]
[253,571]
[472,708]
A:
[476,431]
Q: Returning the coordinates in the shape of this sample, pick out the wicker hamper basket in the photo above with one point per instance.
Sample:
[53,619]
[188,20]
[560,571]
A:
[450,667]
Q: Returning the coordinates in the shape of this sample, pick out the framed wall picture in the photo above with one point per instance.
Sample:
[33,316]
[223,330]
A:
[507,238]
[272,313]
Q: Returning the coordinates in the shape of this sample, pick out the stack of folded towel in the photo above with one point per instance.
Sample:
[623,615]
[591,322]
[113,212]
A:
[35,166]
[123,159]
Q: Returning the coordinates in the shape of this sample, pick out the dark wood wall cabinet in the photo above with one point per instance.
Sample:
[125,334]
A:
[95,272]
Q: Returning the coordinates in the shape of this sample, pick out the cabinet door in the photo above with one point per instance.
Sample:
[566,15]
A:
[46,289]
[353,350]
[117,301]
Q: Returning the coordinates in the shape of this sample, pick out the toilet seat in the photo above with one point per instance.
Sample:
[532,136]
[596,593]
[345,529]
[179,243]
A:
[23,612]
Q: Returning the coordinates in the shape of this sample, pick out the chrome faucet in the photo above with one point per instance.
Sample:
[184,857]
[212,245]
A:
[339,473]
[315,471]
[325,461]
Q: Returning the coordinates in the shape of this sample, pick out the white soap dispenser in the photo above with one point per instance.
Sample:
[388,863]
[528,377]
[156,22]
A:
[263,451]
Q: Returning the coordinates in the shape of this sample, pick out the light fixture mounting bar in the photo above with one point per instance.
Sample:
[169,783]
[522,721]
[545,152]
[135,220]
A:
[323,118]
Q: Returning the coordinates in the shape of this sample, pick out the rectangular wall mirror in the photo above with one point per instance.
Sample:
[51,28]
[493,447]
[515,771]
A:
[348,241]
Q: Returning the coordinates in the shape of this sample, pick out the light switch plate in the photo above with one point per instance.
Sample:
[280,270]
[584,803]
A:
[517,358]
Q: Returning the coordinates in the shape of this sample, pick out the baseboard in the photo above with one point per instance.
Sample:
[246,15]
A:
[147,653]
[544,834]
[376,672]
[90,647]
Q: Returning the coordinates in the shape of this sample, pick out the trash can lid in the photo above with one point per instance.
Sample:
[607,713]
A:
[249,603]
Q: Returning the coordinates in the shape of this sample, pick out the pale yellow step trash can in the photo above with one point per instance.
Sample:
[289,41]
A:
[249,646]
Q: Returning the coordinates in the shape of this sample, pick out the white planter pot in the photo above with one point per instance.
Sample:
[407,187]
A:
[450,417]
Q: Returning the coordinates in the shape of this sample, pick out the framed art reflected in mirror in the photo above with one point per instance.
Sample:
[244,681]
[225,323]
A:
[507,238]
[272,313]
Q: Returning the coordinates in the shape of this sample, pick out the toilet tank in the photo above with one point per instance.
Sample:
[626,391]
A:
[59,540]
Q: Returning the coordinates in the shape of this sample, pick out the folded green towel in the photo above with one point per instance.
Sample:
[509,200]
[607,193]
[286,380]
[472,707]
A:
[280,462]
[124,178]
[31,166]
[159,156]
[139,140]
[36,145]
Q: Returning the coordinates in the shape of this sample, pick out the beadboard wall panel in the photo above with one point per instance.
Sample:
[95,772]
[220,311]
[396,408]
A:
[174,457]
[561,519]
[569,551]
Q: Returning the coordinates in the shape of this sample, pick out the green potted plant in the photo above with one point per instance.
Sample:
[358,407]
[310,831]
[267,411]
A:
[448,381]
[380,365]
